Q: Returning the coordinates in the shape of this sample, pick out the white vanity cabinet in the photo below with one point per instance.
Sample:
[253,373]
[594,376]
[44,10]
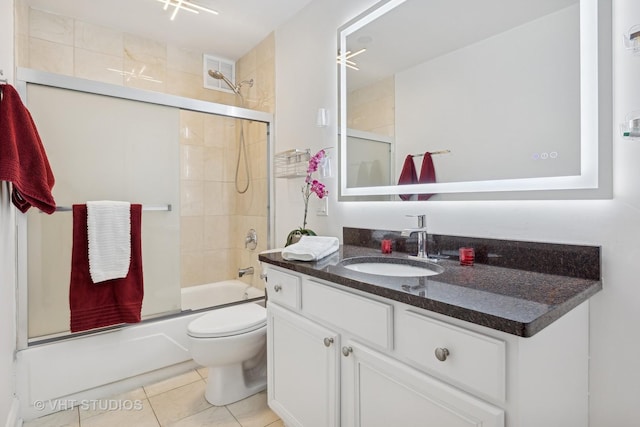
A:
[342,357]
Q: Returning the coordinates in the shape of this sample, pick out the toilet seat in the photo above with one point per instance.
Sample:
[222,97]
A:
[228,321]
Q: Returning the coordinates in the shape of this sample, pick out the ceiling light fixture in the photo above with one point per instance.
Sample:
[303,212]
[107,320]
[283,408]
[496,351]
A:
[347,58]
[187,6]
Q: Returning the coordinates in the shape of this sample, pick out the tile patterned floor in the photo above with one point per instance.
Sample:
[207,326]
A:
[175,402]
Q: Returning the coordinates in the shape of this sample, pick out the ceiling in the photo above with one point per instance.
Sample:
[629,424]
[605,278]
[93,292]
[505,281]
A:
[239,27]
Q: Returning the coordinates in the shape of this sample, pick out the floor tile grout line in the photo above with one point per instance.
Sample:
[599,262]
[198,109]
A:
[233,415]
[153,411]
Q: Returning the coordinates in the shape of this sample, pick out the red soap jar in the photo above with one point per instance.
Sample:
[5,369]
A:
[385,246]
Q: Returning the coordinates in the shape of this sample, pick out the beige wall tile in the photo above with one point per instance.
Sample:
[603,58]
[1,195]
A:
[214,164]
[192,268]
[144,50]
[266,50]
[220,132]
[22,50]
[246,65]
[21,18]
[192,127]
[145,75]
[184,60]
[191,236]
[220,265]
[97,66]
[219,232]
[52,57]
[219,198]
[98,39]
[183,84]
[192,198]
[192,162]
[50,27]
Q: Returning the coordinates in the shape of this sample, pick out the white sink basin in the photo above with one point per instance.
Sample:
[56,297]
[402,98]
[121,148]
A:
[395,267]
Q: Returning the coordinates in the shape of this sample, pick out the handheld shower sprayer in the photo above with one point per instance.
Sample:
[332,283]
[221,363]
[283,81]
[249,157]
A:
[234,87]
[242,149]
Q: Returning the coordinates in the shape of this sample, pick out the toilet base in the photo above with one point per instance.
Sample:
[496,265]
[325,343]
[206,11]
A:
[231,383]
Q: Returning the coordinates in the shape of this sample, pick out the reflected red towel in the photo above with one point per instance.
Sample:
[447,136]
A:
[427,174]
[110,302]
[408,175]
[23,160]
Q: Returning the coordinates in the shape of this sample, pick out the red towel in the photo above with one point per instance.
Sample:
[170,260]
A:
[427,174]
[110,302]
[23,160]
[408,175]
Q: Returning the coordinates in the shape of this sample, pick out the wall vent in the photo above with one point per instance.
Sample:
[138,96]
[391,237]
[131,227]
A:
[226,66]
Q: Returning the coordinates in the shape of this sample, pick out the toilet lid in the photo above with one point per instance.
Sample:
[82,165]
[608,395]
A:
[228,321]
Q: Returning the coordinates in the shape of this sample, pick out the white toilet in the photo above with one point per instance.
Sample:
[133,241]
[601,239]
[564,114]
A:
[231,342]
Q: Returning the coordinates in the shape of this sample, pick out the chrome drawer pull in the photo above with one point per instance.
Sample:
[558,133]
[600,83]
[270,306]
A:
[441,354]
[328,342]
[277,288]
[346,351]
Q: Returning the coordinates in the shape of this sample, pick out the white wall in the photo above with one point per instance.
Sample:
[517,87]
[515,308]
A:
[7,249]
[506,97]
[306,80]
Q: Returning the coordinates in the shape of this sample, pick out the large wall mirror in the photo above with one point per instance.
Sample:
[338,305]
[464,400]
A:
[487,99]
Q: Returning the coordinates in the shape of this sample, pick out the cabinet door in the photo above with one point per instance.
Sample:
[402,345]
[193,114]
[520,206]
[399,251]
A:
[379,391]
[302,369]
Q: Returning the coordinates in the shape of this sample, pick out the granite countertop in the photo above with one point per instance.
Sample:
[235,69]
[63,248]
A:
[514,301]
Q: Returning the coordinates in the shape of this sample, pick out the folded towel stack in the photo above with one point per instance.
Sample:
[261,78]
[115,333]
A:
[311,248]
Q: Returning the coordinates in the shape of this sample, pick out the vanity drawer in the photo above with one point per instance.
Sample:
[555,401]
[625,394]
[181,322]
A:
[360,316]
[471,359]
[283,288]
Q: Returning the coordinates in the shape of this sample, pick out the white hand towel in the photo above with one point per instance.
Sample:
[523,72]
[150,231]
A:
[311,248]
[109,235]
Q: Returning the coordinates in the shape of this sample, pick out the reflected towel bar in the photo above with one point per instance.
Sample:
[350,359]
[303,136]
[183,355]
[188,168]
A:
[166,207]
[432,153]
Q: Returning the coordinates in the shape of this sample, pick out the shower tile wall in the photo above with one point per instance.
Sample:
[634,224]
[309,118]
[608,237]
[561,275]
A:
[214,218]
[372,108]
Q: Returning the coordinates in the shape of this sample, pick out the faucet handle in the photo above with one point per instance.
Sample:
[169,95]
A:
[421,219]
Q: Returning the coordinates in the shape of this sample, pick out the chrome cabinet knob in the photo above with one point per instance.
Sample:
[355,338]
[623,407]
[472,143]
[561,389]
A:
[328,341]
[277,288]
[346,351]
[442,354]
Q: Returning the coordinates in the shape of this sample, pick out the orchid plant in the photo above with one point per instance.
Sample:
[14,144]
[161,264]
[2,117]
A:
[311,186]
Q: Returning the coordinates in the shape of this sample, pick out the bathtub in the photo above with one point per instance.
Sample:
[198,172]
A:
[217,293]
[113,362]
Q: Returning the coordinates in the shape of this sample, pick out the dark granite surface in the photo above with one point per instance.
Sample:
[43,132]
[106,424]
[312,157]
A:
[552,258]
[511,300]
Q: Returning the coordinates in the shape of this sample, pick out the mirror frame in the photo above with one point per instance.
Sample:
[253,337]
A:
[596,123]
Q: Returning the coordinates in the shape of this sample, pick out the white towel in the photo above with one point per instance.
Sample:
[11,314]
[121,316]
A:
[109,235]
[311,248]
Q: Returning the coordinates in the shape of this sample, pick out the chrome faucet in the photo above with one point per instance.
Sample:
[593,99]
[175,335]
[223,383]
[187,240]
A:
[421,231]
[243,271]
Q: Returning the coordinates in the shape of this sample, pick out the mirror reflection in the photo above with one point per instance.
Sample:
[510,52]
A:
[453,91]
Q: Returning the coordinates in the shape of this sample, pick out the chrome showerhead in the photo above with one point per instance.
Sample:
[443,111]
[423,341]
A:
[234,87]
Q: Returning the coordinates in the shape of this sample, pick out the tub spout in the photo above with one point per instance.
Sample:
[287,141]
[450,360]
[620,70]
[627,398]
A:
[243,271]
